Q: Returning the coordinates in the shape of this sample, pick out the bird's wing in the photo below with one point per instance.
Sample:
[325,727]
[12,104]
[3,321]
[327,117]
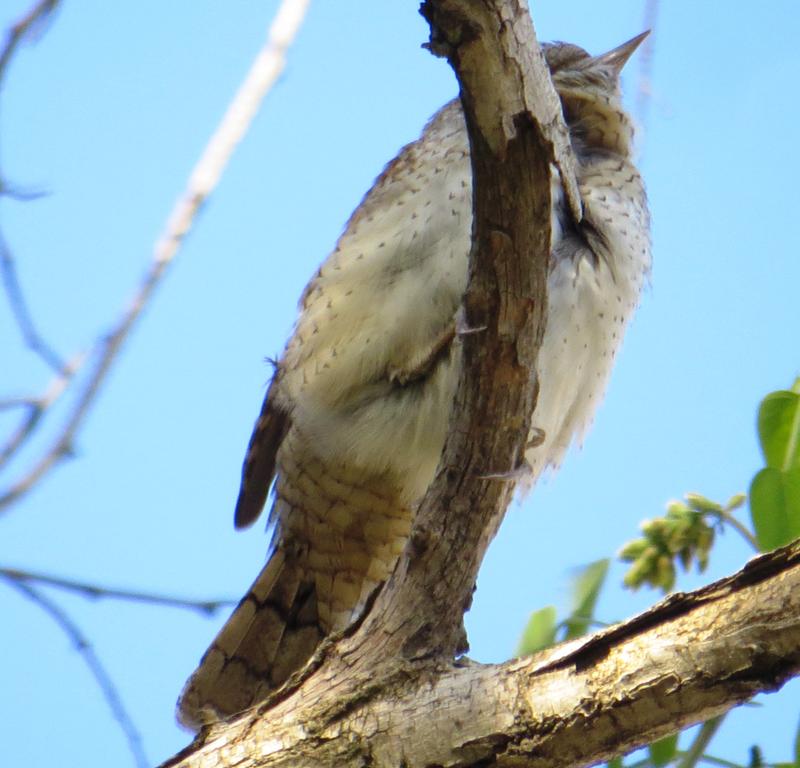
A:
[259,463]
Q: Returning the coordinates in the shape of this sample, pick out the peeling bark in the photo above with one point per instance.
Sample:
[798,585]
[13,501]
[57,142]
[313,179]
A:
[685,660]
[387,692]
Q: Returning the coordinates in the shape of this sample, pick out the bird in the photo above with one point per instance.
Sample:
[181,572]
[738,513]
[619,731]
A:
[356,415]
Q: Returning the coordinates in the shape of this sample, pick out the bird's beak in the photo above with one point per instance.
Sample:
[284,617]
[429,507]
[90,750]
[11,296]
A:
[618,57]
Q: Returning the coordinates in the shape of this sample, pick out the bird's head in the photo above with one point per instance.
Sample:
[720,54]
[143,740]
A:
[590,95]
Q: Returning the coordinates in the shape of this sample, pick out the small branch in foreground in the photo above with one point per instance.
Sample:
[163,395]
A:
[99,672]
[22,314]
[18,193]
[267,67]
[17,32]
[687,659]
[36,408]
[397,657]
[98,592]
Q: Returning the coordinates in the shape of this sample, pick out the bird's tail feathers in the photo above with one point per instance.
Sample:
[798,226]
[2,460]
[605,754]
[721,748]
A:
[271,633]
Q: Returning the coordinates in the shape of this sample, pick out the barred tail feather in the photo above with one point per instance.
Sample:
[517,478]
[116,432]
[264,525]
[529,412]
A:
[271,633]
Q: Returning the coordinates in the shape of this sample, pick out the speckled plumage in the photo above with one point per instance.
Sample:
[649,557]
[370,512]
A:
[356,416]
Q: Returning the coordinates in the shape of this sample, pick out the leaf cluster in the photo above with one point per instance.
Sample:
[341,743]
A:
[684,536]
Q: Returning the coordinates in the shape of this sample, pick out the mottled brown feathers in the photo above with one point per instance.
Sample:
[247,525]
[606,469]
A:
[353,424]
[259,463]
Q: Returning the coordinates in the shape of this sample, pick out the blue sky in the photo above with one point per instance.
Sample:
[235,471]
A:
[108,114]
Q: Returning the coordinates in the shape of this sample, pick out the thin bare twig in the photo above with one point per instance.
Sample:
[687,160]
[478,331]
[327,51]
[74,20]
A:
[18,193]
[17,32]
[265,70]
[19,307]
[22,314]
[97,592]
[35,408]
[99,672]
[11,403]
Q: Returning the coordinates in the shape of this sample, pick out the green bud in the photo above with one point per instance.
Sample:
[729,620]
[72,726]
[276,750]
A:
[702,504]
[632,550]
[648,527]
[665,573]
[736,501]
[705,539]
[675,507]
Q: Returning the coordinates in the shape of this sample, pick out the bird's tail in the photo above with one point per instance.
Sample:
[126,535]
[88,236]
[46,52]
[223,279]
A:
[271,633]
[339,531]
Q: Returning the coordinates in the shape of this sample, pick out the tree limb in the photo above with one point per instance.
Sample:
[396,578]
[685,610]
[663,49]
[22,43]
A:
[414,628]
[419,614]
[98,591]
[100,674]
[24,26]
[263,74]
[387,692]
[687,659]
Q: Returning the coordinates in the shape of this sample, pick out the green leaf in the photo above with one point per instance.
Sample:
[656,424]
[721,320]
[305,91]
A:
[797,735]
[663,751]
[756,758]
[775,507]
[585,591]
[540,632]
[779,429]
[614,762]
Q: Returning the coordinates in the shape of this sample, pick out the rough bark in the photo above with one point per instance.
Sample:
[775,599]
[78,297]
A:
[387,692]
[688,658]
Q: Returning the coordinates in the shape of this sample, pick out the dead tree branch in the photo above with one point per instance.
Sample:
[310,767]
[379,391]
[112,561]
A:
[23,28]
[414,629]
[99,592]
[388,692]
[687,659]
[82,645]
[264,72]
[23,316]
